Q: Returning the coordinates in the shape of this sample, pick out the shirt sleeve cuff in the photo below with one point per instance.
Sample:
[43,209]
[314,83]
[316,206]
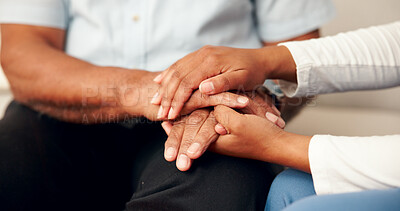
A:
[47,16]
[303,69]
[283,30]
[318,165]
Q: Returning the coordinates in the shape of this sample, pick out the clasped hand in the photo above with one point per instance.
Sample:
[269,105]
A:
[191,135]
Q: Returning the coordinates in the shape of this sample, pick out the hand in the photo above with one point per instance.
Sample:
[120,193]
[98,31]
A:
[189,137]
[260,103]
[239,68]
[195,125]
[217,69]
[137,99]
[250,136]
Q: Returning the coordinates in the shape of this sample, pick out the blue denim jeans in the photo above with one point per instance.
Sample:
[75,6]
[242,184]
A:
[293,190]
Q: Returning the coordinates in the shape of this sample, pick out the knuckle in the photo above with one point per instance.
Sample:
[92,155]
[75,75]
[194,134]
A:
[227,97]
[206,137]
[171,141]
[207,49]
[226,82]
[196,118]
[177,74]
[187,84]
[213,59]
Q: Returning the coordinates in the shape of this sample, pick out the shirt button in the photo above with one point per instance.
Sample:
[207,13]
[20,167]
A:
[136,18]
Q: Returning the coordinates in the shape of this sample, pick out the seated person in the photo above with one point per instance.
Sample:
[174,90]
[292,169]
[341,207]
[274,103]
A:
[333,172]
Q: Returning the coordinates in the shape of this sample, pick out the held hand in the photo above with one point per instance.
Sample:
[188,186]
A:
[256,102]
[182,131]
[244,135]
[189,137]
[233,69]
[253,137]
[136,99]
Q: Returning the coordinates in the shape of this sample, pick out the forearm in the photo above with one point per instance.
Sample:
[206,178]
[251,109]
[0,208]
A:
[43,77]
[357,60]
[291,150]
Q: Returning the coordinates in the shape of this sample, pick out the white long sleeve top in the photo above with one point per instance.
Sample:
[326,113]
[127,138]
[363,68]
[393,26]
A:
[358,60]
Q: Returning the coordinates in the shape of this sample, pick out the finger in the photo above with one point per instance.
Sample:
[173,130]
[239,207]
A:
[183,93]
[190,83]
[199,100]
[220,129]
[259,105]
[165,75]
[172,79]
[228,118]
[159,78]
[204,138]
[224,82]
[173,142]
[275,119]
[167,126]
[193,124]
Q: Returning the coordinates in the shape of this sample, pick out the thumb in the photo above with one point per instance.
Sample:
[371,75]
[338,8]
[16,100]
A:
[228,118]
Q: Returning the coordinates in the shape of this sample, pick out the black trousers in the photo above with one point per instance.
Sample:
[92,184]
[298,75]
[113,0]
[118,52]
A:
[46,164]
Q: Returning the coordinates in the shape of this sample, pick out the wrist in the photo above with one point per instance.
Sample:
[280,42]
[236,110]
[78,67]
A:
[136,87]
[291,150]
[278,63]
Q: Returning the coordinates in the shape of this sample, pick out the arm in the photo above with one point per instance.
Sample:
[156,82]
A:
[44,78]
[357,60]
[338,164]
[290,107]
[254,137]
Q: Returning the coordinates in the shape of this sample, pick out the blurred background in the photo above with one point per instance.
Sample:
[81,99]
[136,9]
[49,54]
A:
[352,113]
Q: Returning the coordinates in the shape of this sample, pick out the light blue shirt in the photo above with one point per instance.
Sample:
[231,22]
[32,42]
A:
[153,34]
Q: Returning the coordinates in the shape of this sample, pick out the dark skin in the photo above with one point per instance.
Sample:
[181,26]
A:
[43,77]
[46,79]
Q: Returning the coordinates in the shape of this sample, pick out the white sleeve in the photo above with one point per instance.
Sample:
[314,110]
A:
[348,164]
[358,60]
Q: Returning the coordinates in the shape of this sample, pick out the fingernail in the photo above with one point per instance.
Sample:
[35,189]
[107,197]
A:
[171,113]
[160,110]
[271,117]
[157,78]
[193,148]
[281,123]
[170,153]
[242,100]
[164,113]
[221,129]
[153,101]
[206,87]
[182,161]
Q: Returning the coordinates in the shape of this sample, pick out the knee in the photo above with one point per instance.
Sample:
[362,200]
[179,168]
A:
[287,187]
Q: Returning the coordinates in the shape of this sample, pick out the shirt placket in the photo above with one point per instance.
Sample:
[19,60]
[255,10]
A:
[135,36]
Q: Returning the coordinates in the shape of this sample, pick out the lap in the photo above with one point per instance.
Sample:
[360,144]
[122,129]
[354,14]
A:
[51,164]
[289,186]
[46,163]
[365,200]
[214,182]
